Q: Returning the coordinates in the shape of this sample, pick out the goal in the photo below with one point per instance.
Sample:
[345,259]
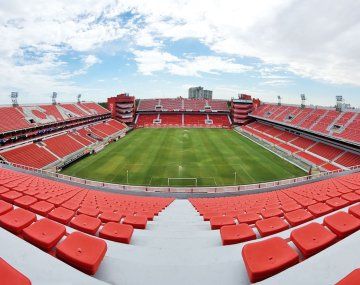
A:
[182,181]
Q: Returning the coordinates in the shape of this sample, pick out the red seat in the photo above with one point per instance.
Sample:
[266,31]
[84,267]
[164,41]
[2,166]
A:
[61,215]
[110,217]
[10,196]
[42,208]
[271,226]
[15,221]
[117,232]
[44,234]
[138,222]
[271,213]
[290,207]
[312,238]
[298,217]
[82,251]
[248,218]
[355,211]
[10,276]
[208,215]
[266,258]
[319,209]
[148,214]
[5,207]
[351,197]
[86,224]
[25,201]
[337,203]
[236,234]
[217,222]
[3,189]
[352,279]
[342,223]
[71,206]
[89,211]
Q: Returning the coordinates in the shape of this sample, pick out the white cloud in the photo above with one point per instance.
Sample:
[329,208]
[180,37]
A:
[150,61]
[312,38]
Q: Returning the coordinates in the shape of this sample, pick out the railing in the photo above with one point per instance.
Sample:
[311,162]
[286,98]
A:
[218,189]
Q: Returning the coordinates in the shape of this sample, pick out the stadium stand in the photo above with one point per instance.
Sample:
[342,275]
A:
[181,104]
[251,217]
[48,151]
[29,154]
[180,112]
[27,200]
[62,145]
[326,121]
[328,157]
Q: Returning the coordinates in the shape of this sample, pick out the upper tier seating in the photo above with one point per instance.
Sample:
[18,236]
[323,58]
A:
[12,119]
[24,117]
[182,104]
[317,120]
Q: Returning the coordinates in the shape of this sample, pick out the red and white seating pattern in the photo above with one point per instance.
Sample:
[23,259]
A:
[24,117]
[316,120]
[190,120]
[64,230]
[328,157]
[182,104]
[51,150]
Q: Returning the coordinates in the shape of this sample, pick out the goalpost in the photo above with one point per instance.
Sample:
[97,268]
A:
[182,179]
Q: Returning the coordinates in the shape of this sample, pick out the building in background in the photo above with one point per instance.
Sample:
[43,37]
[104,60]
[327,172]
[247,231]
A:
[122,108]
[199,93]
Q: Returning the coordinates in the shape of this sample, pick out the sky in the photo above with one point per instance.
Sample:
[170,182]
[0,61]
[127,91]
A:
[160,48]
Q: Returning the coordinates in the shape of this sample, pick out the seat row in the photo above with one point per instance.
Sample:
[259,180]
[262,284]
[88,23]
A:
[328,157]
[92,212]
[182,104]
[77,249]
[314,119]
[270,256]
[273,212]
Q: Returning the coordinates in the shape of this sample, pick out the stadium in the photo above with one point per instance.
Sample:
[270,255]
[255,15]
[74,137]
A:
[167,183]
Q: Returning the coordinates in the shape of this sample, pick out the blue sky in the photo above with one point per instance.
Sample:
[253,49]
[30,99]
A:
[101,48]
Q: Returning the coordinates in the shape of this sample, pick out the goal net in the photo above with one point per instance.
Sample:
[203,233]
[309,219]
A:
[182,181]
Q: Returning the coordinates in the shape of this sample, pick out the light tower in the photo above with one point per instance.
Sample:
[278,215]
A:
[279,100]
[79,98]
[303,99]
[14,98]
[339,103]
[53,98]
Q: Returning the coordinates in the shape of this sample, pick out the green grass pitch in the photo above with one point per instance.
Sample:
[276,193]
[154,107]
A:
[212,155]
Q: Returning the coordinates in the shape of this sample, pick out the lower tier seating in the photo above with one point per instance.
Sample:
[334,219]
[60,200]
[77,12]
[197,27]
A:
[42,211]
[176,119]
[333,204]
[30,154]
[327,157]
